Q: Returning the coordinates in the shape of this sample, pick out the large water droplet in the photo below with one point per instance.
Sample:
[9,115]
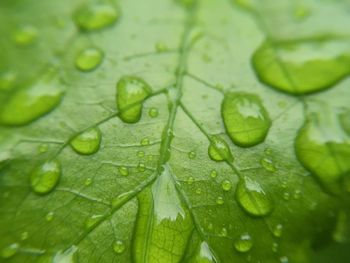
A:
[89,59]
[323,147]
[25,35]
[96,16]
[131,93]
[44,177]
[302,66]
[219,150]
[244,243]
[87,142]
[252,198]
[245,118]
[9,251]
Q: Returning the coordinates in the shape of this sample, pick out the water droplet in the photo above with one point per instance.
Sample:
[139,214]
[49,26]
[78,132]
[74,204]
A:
[297,194]
[220,200]
[25,35]
[223,232]
[210,226]
[284,260]
[244,243]
[153,112]
[298,66]
[145,142]
[198,191]
[43,148]
[123,170]
[274,247]
[219,150]
[93,220]
[66,256]
[192,155]
[49,216]
[119,247]
[30,103]
[96,16]
[286,196]
[301,12]
[213,173]
[141,167]
[87,142]
[140,154]
[226,185]
[268,165]
[44,177]
[277,231]
[9,251]
[89,59]
[190,180]
[24,236]
[323,147]
[7,80]
[131,93]
[88,181]
[161,47]
[246,119]
[203,254]
[252,198]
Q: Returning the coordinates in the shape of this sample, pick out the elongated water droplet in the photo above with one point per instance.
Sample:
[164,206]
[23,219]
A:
[119,247]
[44,177]
[245,118]
[298,67]
[277,231]
[89,59]
[323,147]
[93,220]
[123,170]
[252,198]
[49,216]
[87,142]
[25,35]
[219,150]
[244,243]
[131,93]
[9,251]
[96,16]
[268,165]
[30,103]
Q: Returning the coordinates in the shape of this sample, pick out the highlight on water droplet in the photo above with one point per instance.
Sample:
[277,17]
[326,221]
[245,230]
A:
[9,251]
[244,243]
[119,246]
[298,66]
[25,35]
[246,120]
[252,198]
[131,93]
[96,16]
[87,142]
[89,59]
[45,177]
[219,150]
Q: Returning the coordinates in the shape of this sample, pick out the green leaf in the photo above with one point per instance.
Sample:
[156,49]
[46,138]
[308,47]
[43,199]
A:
[162,131]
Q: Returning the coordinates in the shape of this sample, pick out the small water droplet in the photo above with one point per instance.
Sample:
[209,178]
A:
[24,236]
[93,220]
[153,112]
[87,142]
[131,93]
[145,142]
[190,180]
[140,154]
[198,191]
[49,216]
[219,150]
[89,59]
[301,12]
[246,119]
[141,167]
[223,232]
[284,260]
[252,198]
[96,16]
[66,256]
[192,155]
[25,35]
[119,247]
[268,165]
[297,194]
[213,173]
[277,231]
[7,80]
[123,170]
[286,196]
[45,177]
[43,148]
[88,181]
[10,250]
[274,247]
[210,226]
[226,185]
[220,200]
[244,243]
[161,47]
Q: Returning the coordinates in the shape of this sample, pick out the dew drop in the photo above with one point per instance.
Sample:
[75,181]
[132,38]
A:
[96,16]
[43,148]
[50,216]
[220,200]
[87,142]
[93,220]
[286,196]
[298,67]
[7,80]
[244,243]
[67,256]
[226,185]
[119,247]
[192,155]
[10,250]
[141,167]
[284,260]
[198,191]
[219,150]
[153,112]
[301,12]
[297,194]
[140,154]
[24,236]
[274,247]
[223,232]
[213,173]
[246,119]
[145,142]
[161,47]
[190,180]
[88,181]
[277,231]
[30,103]
[123,170]
[268,165]
[131,93]
[252,198]
[89,59]
[25,35]
[45,177]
